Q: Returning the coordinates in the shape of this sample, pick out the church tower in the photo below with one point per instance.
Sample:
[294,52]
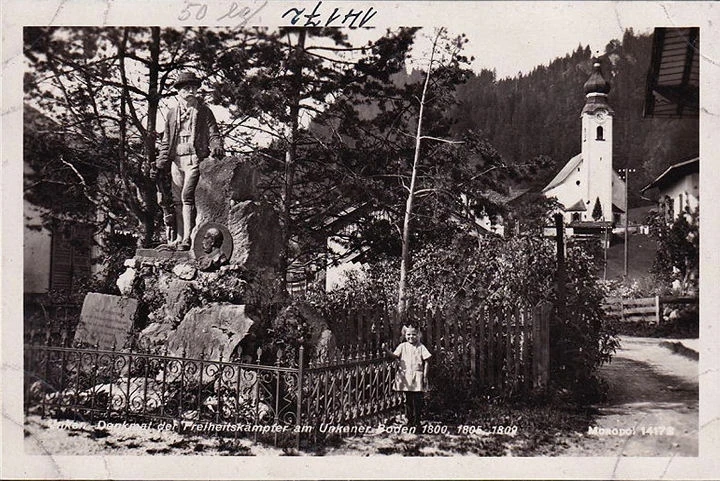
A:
[597,153]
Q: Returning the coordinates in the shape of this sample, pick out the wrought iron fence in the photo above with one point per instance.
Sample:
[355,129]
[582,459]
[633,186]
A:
[355,384]
[289,397]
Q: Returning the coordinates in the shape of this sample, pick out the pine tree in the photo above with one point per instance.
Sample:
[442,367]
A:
[597,212]
[281,78]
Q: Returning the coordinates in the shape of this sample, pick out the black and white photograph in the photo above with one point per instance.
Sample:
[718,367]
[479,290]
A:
[359,239]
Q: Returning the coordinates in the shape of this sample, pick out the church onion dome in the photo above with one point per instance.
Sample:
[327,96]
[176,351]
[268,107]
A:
[596,83]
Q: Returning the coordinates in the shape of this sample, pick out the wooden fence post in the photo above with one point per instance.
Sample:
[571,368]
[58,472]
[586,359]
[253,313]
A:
[527,336]
[473,346]
[482,338]
[491,348]
[509,354]
[541,345]
[438,327]
[429,328]
[657,310]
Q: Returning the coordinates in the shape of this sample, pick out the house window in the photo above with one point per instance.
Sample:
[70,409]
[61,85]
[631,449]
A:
[669,209]
[70,256]
[576,217]
[599,134]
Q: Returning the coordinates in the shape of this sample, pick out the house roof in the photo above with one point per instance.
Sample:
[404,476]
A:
[564,172]
[577,206]
[674,172]
[499,198]
[672,88]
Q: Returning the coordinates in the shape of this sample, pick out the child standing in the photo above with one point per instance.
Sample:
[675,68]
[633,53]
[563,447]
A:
[411,377]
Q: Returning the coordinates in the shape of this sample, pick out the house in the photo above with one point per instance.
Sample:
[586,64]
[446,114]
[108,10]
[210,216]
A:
[497,223]
[673,91]
[56,255]
[590,192]
[677,189]
[673,81]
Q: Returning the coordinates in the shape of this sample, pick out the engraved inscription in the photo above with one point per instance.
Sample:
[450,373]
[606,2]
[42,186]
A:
[106,320]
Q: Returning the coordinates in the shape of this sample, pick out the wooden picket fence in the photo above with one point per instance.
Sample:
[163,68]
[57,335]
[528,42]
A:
[646,309]
[505,351]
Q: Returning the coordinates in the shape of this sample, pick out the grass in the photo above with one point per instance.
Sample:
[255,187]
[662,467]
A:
[641,254]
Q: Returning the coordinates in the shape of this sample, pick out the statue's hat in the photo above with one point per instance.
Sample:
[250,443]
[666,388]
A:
[186,78]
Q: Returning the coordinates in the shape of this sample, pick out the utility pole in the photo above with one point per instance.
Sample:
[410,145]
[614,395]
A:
[627,216]
[560,275]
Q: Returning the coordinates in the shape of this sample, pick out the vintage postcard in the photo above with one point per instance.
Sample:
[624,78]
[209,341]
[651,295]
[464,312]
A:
[272,239]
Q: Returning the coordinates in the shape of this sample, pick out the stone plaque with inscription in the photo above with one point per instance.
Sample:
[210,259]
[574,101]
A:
[106,320]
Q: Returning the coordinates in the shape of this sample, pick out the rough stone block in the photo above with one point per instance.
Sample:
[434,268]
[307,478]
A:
[207,332]
[222,183]
[177,298]
[255,230]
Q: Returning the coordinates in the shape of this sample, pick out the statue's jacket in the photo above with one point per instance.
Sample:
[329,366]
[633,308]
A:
[206,138]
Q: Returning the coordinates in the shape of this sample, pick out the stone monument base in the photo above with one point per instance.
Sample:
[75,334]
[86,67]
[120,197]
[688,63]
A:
[179,256]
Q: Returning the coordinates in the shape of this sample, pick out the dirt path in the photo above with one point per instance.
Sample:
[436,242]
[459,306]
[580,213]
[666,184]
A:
[652,409]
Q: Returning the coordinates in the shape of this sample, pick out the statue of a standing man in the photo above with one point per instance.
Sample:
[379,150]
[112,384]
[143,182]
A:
[191,135]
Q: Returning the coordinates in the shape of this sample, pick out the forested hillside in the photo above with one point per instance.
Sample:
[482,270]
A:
[539,113]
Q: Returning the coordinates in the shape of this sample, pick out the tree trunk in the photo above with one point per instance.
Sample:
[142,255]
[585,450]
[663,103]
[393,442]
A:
[402,305]
[148,188]
[290,158]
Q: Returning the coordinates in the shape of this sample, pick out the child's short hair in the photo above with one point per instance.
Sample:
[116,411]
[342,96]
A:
[405,329]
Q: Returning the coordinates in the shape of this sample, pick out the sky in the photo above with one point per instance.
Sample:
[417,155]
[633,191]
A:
[513,37]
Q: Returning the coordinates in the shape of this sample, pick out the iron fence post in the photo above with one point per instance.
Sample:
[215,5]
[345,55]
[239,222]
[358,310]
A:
[298,413]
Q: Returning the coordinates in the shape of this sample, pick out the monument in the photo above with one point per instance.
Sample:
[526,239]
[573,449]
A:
[191,136]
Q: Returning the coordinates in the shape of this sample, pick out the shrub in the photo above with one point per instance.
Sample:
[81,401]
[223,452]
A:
[465,273]
[581,338]
[678,253]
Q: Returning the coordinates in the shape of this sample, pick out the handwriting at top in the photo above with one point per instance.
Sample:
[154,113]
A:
[353,18]
[199,11]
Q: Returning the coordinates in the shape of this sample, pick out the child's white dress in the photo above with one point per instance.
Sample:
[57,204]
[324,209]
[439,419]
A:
[410,375]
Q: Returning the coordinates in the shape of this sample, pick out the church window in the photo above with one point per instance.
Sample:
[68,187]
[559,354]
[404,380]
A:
[576,217]
[600,133]
[577,182]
